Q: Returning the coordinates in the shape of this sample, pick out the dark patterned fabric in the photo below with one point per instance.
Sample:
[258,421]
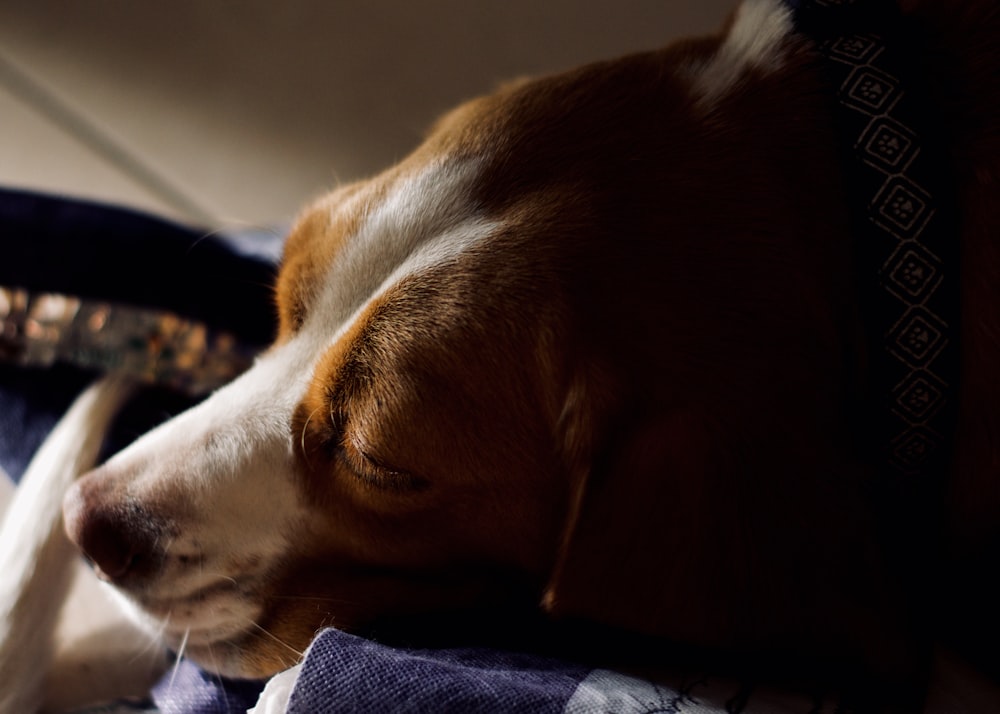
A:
[897,178]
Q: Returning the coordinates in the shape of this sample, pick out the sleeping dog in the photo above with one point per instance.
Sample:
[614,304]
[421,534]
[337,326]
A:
[606,343]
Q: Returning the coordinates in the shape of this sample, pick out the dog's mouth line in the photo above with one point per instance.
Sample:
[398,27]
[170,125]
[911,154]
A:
[224,606]
[195,593]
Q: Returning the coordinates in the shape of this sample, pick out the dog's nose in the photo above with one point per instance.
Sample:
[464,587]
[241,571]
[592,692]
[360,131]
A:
[116,537]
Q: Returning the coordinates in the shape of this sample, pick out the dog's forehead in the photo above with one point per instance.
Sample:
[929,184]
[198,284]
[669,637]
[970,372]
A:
[354,246]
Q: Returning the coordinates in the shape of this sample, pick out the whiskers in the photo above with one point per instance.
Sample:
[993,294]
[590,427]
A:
[181,650]
[227,578]
[180,656]
[324,618]
[261,241]
[225,640]
[154,642]
[299,654]
[302,436]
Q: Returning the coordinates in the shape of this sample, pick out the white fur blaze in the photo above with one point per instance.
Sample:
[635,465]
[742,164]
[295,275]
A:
[425,220]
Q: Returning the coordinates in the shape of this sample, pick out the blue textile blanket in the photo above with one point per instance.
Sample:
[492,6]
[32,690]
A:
[345,673]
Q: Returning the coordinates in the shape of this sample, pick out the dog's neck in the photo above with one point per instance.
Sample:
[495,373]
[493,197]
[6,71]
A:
[897,181]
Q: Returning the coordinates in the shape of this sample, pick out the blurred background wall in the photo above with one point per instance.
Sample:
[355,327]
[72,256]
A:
[229,113]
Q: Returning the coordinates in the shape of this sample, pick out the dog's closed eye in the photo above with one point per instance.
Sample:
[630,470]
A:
[371,470]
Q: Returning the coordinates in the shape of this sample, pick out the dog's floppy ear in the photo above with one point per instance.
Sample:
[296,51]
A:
[670,534]
[650,539]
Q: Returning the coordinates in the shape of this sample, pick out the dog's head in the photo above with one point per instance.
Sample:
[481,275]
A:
[405,445]
[537,359]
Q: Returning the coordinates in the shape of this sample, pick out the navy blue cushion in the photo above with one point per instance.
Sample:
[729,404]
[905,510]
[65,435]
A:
[90,250]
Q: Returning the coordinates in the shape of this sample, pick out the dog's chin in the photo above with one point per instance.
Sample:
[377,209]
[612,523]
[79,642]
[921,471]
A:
[225,658]
[218,649]
[215,628]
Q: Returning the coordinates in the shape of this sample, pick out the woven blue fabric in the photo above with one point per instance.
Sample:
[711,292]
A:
[344,673]
[186,689]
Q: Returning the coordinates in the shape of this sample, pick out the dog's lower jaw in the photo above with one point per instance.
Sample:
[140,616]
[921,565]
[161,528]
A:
[230,658]
[250,653]
[217,630]
[226,649]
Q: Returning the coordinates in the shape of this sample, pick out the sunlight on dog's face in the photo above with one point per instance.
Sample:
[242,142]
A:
[391,453]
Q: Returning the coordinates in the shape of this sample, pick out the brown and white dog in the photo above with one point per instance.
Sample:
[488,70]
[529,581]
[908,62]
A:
[594,344]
